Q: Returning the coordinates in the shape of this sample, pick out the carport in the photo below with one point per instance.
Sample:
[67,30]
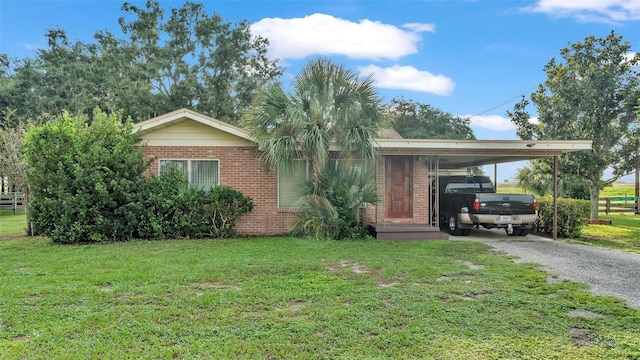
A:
[412,165]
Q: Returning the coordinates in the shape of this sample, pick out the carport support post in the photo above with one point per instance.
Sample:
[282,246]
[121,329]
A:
[495,175]
[555,197]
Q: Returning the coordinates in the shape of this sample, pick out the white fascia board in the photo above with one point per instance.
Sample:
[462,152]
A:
[461,145]
[178,115]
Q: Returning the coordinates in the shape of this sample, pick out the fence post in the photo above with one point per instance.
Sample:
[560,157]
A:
[608,206]
[15,203]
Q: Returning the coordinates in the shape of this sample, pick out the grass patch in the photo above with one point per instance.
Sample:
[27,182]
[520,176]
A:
[297,298]
[618,189]
[12,225]
[622,234]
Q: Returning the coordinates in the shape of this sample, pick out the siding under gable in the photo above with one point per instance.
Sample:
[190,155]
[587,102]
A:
[192,133]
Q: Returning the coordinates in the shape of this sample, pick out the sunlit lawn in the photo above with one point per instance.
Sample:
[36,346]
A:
[297,298]
[623,233]
[618,190]
[11,225]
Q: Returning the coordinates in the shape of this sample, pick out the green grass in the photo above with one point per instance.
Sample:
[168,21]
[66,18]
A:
[297,298]
[618,189]
[12,225]
[622,234]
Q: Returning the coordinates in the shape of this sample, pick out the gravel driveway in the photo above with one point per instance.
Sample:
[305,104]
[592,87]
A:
[607,272]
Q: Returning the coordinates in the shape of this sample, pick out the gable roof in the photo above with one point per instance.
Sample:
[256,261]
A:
[181,115]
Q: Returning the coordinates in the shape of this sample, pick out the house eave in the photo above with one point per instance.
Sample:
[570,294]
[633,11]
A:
[177,116]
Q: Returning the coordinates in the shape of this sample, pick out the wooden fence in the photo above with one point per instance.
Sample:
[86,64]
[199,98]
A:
[618,204]
[11,201]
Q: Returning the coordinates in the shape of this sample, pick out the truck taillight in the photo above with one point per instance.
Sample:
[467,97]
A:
[476,204]
[535,204]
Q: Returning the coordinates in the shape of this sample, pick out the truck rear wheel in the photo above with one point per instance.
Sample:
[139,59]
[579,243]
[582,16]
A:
[454,228]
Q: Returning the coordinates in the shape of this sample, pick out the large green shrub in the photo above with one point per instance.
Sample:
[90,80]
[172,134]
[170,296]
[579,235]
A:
[175,210]
[89,185]
[86,178]
[571,216]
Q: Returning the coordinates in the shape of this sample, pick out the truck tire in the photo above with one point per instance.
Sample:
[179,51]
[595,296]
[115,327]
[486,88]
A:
[518,232]
[454,228]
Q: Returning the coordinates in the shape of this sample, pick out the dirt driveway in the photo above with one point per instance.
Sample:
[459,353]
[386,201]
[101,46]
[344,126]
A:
[607,272]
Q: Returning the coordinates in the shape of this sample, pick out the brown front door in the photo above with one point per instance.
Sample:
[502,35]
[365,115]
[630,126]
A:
[399,186]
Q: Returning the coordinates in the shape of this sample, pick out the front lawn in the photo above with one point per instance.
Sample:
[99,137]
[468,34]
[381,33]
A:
[297,298]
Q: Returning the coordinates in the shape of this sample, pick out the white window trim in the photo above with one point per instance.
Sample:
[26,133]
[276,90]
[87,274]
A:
[189,167]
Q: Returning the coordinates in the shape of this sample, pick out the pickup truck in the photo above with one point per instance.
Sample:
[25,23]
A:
[471,201]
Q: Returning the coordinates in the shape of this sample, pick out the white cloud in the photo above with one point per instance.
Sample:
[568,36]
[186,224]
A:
[321,34]
[420,27]
[590,10]
[409,78]
[33,46]
[491,122]
[630,56]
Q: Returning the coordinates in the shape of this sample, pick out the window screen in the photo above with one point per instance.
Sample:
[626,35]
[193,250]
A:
[288,185]
[202,174]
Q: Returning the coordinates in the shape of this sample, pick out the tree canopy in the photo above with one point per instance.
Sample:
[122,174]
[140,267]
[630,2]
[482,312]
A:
[187,59]
[413,120]
[590,94]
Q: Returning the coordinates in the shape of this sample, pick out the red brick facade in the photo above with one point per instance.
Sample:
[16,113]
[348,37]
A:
[241,169]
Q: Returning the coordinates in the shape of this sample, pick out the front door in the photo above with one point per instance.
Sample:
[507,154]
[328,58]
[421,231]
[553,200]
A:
[399,186]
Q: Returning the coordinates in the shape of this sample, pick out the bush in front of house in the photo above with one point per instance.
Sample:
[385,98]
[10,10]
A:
[175,210]
[86,179]
[571,216]
[334,207]
[89,185]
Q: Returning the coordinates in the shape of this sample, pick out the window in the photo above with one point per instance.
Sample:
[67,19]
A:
[199,173]
[288,185]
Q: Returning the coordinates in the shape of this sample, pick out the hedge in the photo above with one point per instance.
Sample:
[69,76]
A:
[571,216]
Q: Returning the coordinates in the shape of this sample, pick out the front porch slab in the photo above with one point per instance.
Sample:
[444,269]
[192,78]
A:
[407,232]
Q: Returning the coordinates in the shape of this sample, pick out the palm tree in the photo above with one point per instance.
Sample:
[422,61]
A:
[328,105]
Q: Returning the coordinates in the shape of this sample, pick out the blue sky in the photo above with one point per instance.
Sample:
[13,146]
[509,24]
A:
[468,58]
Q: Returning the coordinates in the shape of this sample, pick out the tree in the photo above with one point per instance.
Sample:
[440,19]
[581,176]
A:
[193,60]
[590,95]
[196,60]
[329,105]
[329,110]
[11,164]
[413,120]
[537,178]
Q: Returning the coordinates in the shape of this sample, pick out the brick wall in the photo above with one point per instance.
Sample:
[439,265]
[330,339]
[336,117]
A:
[241,169]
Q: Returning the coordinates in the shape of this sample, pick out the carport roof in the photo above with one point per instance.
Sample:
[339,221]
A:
[455,154]
[452,154]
